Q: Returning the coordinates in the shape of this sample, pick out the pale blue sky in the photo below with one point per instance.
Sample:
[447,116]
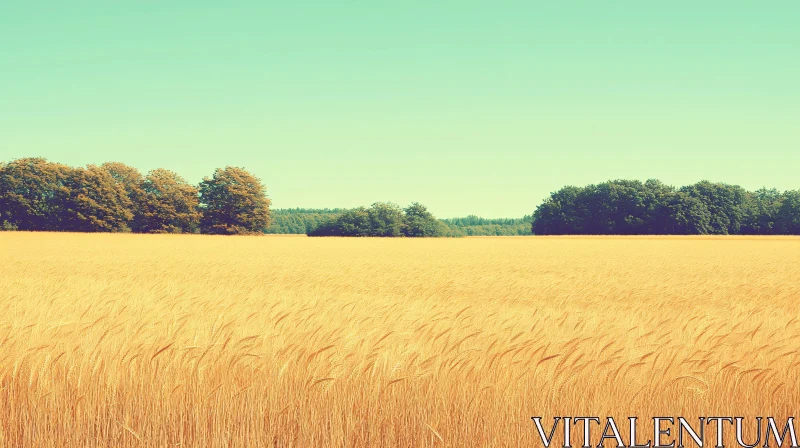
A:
[467,107]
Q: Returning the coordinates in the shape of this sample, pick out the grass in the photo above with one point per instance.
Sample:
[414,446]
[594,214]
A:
[131,340]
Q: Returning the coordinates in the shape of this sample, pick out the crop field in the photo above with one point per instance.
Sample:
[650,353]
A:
[187,340]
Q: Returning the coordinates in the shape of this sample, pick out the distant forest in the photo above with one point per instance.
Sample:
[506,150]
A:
[299,220]
[617,207]
[306,220]
[36,194]
[476,226]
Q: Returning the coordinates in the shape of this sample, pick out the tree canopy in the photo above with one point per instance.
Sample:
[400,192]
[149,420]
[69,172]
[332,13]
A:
[306,220]
[473,225]
[132,181]
[36,194]
[171,205]
[299,220]
[626,207]
[33,194]
[384,219]
[234,202]
[96,202]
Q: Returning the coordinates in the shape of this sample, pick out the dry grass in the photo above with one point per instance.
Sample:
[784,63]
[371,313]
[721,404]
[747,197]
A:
[126,340]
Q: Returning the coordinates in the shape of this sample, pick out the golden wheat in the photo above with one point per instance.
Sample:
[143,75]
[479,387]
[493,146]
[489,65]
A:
[170,340]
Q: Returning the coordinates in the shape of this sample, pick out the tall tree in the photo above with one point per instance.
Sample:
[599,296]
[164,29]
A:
[761,212]
[33,192]
[386,219]
[788,217]
[234,202]
[170,204]
[558,214]
[96,203]
[132,182]
[725,203]
[681,214]
[299,220]
[419,222]
[473,225]
[355,222]
[621,207]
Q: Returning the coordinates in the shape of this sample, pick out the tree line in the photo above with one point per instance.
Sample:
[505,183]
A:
[36,194]
[384,219]
[306,220]
[630,207]
[299,220]
[476,226]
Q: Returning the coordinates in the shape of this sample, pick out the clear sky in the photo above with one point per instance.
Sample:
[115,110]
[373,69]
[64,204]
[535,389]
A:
[467,107]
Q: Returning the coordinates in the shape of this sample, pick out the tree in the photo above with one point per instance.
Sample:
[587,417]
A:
[353,222]
[32,193]
[132,181]
[419,222]
[234,202]
[170,204]
[621,207]
[96,203]
[788,217]
[473,225]
[299,220]
[624,207]
[725,203]
[681,214]
[386,219]
[558,214]
[761,212]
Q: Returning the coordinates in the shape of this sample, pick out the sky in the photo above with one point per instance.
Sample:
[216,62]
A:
[467,107]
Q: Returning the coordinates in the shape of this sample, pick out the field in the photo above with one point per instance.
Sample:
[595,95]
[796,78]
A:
[177,340]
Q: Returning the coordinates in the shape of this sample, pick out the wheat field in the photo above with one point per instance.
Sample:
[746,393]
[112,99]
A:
[179,340]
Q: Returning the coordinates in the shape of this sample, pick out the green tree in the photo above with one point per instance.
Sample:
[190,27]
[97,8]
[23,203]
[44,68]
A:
[170,204]
[681,214]
[386,219]
[725,203]
[132,181]
[761,212]
[234,202]
[96,203]
[788,217]
[353,222]
[473,225]
[558,214]
[419,222]
[299,220]
[33,192]
[626,207]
